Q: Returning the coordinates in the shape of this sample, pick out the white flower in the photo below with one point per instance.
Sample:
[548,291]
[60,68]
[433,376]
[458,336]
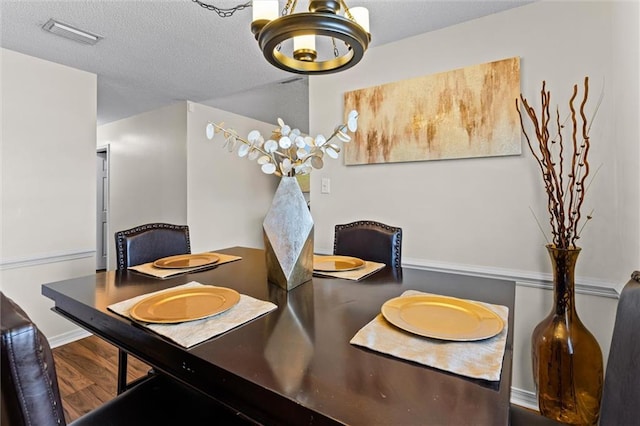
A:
[352,120]
[331,151]
[342,135]
[269,168]
[308,140]
[288,152]
[284,142]
[253,154]
[254,136]
[243,150]
[270,146]
[210,131]
[300,142]
[286,167]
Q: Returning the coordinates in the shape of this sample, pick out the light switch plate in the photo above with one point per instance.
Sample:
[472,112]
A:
[325,186]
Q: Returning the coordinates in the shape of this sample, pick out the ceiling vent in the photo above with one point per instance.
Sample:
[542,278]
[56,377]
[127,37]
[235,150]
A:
[72,33]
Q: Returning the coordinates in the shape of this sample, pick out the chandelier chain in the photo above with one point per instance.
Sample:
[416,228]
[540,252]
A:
[223,12]
[347,12]
[289,7]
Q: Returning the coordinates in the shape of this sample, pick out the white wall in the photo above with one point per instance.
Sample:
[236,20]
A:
[48,181]
[228,196]
[261,103]
[472,215]
[625,89]
[163,169]
[147,170]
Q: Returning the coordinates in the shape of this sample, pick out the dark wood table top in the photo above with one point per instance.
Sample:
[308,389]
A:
[295,365]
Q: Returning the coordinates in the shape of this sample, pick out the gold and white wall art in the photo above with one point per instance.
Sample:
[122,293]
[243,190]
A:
[464,113]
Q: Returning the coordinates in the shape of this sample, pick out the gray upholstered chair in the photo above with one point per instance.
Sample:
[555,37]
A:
[30,393]
[369,240]
[146,243]
[143,244]
[621,393]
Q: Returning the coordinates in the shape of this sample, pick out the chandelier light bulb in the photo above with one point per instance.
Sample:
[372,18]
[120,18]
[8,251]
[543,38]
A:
[264,11]
[304,48]
[361,16]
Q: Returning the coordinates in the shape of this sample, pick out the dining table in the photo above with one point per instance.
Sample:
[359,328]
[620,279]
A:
[295,365]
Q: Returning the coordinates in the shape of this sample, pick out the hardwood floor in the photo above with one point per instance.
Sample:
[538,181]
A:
[87,373]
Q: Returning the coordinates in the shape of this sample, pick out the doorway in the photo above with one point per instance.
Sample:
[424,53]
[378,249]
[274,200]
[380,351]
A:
[102,207]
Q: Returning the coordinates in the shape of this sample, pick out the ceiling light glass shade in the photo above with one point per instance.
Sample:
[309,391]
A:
[304,48]
[265,9]
[330,31]
[304,42]
[263,12]
[361,16]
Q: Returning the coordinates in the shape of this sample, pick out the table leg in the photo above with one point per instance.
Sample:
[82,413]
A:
[122,371]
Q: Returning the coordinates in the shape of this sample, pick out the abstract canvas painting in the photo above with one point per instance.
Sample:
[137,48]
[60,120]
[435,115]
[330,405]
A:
[468,112]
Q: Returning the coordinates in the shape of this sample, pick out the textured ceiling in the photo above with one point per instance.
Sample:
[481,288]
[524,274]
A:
[155,53]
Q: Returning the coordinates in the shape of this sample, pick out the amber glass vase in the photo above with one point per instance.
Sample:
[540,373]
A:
[567,360]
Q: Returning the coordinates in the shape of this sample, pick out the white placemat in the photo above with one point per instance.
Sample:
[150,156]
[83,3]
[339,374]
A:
[355,274]
[191,333]
[149,269]
[481,359]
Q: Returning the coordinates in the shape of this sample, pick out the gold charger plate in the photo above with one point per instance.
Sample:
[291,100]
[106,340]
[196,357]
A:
[442,317]
[186,261]
[336,263]
[185,304]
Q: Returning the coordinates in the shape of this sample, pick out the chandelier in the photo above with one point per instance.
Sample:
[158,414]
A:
[330,37]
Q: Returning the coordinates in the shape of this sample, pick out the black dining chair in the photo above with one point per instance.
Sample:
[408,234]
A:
[31,396]
[143,244]
[621,393]
[149,242]
[369,240]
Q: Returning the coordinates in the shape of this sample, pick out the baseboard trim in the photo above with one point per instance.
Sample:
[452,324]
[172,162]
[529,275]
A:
[68,337]
[524,398]
[63,256]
